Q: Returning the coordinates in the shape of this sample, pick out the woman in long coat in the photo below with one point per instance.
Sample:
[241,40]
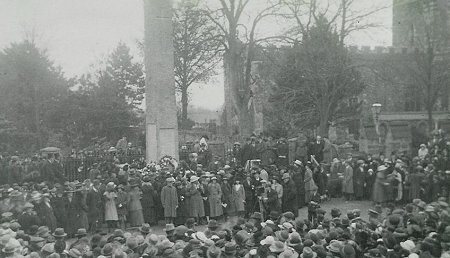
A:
[135,207]
[348,181]
[226,196]
[169,200]
[215,199]
[237,198]
[310,185]
[195,200]
[358,180]
[148,202]
[415,181]
[111,216]
[379,186]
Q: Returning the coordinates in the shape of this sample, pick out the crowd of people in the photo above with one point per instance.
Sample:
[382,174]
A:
[250,209]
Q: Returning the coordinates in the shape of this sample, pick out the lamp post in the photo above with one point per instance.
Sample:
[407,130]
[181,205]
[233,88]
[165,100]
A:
[376,110]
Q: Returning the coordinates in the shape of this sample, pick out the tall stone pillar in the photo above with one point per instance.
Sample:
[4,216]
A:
[161,108]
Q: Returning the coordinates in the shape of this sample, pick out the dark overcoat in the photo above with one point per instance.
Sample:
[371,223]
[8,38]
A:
[290,202]
[46,215]
[148,203]
[94,204]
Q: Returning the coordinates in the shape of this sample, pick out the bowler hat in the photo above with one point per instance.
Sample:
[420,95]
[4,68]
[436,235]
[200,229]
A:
[308,253]
[81,232]
[277,247]
[294,239]
[169,227]
[145,228]
[107,250]
[229,248]
[59,232]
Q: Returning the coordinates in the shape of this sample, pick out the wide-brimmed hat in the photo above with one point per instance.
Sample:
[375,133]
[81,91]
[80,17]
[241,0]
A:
[373,253]
[59,232]
[169,227]
[269,240]
[282,235]
[170,179]
[348,251]
[107,250]
[81,232]
[180,230]
[9,249]
[308,253]
[199,235]
[75,253]
[288,253]
[277,247]
[213,224]
[194,179]
[43,231]
[298,162]
[286,176]
[335,246]
[294,239]
[335,212]
[28,205]
[166,244]
[15,193]
[213,252]
[229,248]
[274,215]
[408,245]
[145,228]
[257,215]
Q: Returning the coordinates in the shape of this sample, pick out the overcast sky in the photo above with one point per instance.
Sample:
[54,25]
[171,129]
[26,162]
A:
[77,33]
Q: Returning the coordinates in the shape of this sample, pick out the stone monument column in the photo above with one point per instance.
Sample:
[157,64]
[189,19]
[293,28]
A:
[161,109]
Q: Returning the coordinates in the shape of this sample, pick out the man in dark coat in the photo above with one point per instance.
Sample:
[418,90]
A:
[59,208]
[298,178]
[290,202]
[95,206]
[249,189]
[52,170]
[28,218]
[316,149]
[249,150]
[15,171]
[45,212]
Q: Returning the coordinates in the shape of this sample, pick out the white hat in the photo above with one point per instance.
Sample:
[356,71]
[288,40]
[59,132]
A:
[170,179]
[194,178]
[298,162]
[408,245]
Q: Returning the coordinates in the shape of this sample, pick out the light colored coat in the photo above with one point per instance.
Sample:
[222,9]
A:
[348,180]
[237,199]
[110,206]
[169,200]
[215,200]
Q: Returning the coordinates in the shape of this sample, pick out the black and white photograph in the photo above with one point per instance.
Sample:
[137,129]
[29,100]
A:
[225,128]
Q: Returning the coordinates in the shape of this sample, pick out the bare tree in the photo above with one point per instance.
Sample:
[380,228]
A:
[239,41]
[197,49]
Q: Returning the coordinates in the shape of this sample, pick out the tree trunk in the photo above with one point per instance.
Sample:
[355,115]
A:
[184,105]
[323,125]
[430,118]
